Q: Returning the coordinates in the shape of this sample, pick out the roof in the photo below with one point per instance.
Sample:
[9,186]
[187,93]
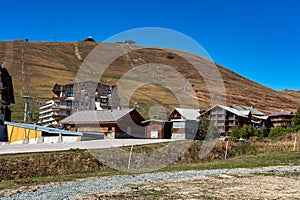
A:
[265,117]
[188,114]
[87,116]
[155,120]
[42,128]
[241,113]
[282,113]
[248,108]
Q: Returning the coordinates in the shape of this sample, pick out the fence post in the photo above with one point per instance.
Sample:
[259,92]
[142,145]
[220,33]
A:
[129,159]
[295,141]
[226,151]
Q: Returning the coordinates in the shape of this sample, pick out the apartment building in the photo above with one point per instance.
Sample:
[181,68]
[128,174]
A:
[282,119]
[227,117]
[76,96]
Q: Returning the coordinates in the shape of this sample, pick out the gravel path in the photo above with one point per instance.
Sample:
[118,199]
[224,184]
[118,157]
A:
[118,183]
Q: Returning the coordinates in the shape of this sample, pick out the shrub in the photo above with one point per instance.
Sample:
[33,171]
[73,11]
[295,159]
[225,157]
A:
[247,131]
[279,131]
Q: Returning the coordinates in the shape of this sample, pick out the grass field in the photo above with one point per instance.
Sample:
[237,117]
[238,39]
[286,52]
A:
[286,158]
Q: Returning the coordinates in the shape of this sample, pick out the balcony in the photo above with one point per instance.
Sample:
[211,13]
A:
[46,116]
[232,124]
[62,107]
[217,113]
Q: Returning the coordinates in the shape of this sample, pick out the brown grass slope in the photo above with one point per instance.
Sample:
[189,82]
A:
[47,63]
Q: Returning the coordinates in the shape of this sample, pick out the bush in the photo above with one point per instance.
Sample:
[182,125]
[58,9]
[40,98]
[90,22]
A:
[247,131]
[279,131]
[297,128]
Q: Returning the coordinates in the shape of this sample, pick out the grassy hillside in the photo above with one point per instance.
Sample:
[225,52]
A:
[47,63]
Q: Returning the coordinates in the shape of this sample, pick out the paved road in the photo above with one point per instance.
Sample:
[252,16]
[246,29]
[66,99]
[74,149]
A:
[95,144]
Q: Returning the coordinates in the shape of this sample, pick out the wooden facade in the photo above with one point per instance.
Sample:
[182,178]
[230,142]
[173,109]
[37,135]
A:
[227,117]
[224,118]
[87,95]
[282,119]
[157,129]
[126,123]
[185,123]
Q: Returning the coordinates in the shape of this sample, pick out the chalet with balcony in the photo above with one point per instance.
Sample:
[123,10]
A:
[282,119]
[227,117]
[258,118]
[69,98]
[185,123]
[120,123]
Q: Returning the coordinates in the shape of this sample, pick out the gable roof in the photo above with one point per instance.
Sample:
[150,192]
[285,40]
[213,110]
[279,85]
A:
[188,114]
[241,113]
[88,116]
[282,113]
[248,108]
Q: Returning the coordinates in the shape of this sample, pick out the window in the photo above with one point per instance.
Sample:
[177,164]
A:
[70,94]
[69,103]
[109,91]
[178,124]
[104,100]
[68,113]
[154,134]
[83,87]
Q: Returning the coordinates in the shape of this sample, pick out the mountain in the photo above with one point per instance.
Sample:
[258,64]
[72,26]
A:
[48,63]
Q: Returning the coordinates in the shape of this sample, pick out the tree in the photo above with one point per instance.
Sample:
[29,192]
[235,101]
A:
[262,132]
[296,119]
[235,133]
[207,130]
[247,131]
[276,132]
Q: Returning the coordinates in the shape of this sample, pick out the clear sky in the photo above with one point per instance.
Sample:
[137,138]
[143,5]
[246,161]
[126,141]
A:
[259,39]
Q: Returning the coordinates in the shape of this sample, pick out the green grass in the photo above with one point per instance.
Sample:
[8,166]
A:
[250,161]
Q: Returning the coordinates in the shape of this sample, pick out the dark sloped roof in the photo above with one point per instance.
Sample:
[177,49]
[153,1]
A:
[248,108]
[282,113]
[88,116]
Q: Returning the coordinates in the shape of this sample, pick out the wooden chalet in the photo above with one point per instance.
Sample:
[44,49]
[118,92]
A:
[185,123]
[120,123]
[282,119]
[158,129]
[227,117]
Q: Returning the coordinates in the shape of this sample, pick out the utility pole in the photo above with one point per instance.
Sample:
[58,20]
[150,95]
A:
[26,80]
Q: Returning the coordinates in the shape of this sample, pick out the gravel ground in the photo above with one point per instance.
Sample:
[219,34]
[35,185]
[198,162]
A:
[120,183]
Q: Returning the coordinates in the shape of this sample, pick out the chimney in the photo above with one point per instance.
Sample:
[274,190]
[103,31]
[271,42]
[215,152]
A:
[61,91]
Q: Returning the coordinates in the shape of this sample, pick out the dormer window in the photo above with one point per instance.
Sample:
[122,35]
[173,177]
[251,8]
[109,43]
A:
[109,91]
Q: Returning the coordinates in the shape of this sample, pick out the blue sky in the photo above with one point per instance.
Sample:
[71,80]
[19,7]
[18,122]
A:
[257,39]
